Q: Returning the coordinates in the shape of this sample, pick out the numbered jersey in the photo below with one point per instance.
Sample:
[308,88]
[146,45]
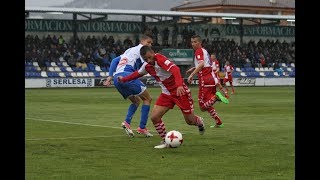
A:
[130,60]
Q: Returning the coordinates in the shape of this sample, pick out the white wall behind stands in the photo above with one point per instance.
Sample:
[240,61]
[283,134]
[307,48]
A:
[95,82]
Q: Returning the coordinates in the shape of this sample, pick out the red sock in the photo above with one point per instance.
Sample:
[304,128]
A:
[214,115]
[198,120]
[161,129]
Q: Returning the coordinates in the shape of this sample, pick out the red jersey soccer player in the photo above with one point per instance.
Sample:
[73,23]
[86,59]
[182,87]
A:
[207,94]
[174,91]
[228,69]
[216,69]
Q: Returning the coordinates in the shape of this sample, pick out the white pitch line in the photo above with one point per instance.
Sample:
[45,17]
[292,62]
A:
[39,139]
[83,124]
[74,123]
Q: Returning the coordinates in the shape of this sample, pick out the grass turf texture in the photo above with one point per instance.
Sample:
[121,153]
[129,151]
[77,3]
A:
[76,134]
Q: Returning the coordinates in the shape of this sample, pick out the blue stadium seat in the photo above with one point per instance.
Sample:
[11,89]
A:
[68,74]
[269,74]
[53,74]
[97,74]
[236,74]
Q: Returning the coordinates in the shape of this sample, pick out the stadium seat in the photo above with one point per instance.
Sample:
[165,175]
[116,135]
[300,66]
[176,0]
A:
[69,69]
[98,68]
[73,74]
[292,74]
[103,69]
[262,74]
[261,69]
[266,69]
[289,69]
[107,74]
[276,74]
[63,69]
[269,74]
[61,74]
[79,74]
[91,74]
[238,69]
[61,59]
[51,69]
[68,74]
[103,74]
[44,74]
[35,64]
[57,69]
[59,64]
[243,74]
[256,69]
[65,64]
[270,69]
[38,68]
[53,74]
[85,74]
[292,65]
[234,74]
[53,64]
[283,65]
[97,74]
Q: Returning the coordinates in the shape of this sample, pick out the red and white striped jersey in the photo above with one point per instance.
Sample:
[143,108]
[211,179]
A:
[228,69]
[160,71]
[202,55]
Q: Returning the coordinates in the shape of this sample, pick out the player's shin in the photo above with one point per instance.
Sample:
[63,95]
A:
[160,128]
[131,110]
[144,116]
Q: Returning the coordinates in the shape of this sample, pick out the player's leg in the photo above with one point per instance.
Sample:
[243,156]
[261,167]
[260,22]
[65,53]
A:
[128,90]
[146,99]
[214,115]
[161,107]
[231,84]
[185,103]
[225,80]
[209,93]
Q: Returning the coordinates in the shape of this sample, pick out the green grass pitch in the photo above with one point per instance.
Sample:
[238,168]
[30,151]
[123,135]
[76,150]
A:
[75,134]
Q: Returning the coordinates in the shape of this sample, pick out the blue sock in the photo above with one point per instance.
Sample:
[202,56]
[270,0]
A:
[131,110]
[144,116]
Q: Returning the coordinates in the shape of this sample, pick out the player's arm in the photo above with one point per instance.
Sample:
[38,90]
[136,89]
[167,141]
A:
[195,71]
[132,76]
[175,71]
[112,69]
[190,70]
[135,75]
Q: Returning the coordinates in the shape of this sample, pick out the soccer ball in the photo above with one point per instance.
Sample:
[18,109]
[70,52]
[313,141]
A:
[174,139]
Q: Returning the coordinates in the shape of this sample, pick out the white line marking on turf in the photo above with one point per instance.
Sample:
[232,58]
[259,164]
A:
[74,123]
[93,125]
[39,139]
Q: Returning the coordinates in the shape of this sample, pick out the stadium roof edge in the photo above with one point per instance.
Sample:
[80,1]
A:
[153,13]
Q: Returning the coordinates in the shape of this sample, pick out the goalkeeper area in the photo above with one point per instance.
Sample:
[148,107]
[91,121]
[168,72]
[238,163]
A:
[75,133]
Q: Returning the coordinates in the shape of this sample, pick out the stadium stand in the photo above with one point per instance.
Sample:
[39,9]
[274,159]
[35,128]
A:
[67,57]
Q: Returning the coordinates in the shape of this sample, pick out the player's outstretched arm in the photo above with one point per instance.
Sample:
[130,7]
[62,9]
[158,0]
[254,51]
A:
[132,76]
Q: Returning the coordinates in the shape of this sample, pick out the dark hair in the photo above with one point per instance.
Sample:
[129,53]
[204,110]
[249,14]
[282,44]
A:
[196,36]
[145,36]
[144,50]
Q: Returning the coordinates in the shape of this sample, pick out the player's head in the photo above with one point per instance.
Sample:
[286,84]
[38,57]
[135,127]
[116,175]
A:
[196,42]
[147,54]
[213,57]
[146,40]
